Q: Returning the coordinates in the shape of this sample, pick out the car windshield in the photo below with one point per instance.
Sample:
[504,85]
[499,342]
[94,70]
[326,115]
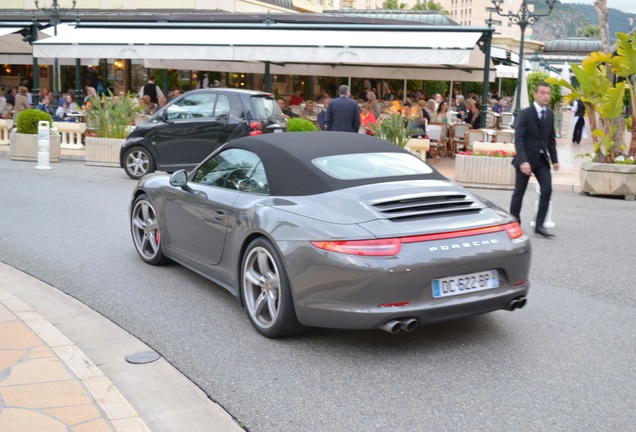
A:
[371,165]
[265,108]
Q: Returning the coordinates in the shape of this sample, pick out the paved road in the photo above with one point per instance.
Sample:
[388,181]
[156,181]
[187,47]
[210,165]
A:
[564,363]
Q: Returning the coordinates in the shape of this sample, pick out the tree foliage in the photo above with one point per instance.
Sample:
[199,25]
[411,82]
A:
[589,31]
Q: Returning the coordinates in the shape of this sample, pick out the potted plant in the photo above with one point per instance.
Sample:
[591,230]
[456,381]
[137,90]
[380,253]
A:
[24,141]
[394,129]
[611,169]
[490,169]
[110,119]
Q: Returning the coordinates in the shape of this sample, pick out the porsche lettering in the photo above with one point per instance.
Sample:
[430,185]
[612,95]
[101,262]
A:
[463,245]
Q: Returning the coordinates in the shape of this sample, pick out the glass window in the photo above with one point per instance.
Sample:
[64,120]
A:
[265,108]
[234,169]
[192,106]
[371,165]
[222,106]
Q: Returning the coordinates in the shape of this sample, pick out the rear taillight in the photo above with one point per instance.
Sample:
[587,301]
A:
[257,128]
[380,247]
[514,230]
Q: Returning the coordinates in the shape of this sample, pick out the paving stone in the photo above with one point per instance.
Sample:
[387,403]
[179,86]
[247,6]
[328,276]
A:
[37,371]
[16,335]
[75,415]
[130,425]
[48,333]
[6,314]
[109,398]
[8,358]
[42,352]
[98,425]
[77,361]
[22,420]
[45,395]
[22,310]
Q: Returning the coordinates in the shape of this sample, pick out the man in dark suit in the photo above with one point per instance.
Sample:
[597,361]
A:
[536,148]
[343,114]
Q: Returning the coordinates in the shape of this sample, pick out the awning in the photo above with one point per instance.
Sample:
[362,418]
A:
[14,51]
[435,55]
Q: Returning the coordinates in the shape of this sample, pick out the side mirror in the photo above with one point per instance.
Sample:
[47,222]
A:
[179,178]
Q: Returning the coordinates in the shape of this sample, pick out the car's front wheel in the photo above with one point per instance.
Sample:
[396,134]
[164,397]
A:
[138,162]
[266,293]
[144,227]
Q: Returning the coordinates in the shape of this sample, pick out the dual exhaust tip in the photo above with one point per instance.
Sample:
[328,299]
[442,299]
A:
[409,324]
[517,303]
[394,326]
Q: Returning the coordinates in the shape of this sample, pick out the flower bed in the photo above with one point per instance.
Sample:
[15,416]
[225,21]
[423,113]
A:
[485,169]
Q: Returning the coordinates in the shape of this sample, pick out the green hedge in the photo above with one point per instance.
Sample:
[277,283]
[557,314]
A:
[28,121]
[298,124]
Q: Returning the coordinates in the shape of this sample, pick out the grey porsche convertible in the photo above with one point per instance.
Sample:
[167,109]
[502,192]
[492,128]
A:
[330,229]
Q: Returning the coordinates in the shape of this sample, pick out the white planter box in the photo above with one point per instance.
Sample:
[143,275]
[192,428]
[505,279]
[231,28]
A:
[483,171]
[24,147]
[103,151]
[608,179]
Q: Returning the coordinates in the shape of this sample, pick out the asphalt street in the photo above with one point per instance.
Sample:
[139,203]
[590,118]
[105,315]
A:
[563,363]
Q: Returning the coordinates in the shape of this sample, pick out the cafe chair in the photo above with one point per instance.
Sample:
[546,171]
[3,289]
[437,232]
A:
[505,120]
[474,135]
[457,137]
[504,137]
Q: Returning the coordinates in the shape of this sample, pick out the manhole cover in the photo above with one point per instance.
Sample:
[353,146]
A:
[142,357]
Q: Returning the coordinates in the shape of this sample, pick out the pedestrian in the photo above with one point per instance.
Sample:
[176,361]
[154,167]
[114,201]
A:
[343,113]
[322,115]
[204,82]
[579,121]
[21,102]
[151,89]
[535,143]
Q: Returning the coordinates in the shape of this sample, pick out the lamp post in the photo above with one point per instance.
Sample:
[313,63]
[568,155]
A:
[55,12]
[522,18]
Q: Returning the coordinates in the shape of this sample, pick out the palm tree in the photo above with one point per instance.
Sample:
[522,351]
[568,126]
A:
[589,31]
[603,23]
[393,4]
[431,6]
[624,65]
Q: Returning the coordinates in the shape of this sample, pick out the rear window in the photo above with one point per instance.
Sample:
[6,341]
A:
[265,107]
[371,165]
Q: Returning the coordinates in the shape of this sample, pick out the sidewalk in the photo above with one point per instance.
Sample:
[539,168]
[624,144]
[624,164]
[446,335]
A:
[50,346]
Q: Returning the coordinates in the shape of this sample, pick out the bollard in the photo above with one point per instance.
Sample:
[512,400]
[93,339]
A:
[547,223]
[44,145]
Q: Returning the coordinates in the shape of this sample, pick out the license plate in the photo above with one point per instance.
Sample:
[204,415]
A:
[462,284]
[278,130]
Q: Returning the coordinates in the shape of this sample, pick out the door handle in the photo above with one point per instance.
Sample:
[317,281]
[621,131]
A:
[219,215]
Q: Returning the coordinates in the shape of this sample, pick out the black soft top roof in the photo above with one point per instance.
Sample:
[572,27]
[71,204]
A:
[287,160]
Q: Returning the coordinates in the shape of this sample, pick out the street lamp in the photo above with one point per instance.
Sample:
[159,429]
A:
[55,12]
[535,61]
[522,18]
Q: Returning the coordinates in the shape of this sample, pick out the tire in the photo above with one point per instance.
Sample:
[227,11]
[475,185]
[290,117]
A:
[138,162]
[144,228]
[265,291]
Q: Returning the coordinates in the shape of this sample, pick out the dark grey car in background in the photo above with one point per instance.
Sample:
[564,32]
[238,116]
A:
[333,229]
[188,129]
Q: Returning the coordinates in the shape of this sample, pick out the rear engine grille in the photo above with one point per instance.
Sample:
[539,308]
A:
[425,206]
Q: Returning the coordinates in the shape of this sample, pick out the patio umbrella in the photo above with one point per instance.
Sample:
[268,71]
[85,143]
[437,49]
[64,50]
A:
[565,74]
[525,100]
